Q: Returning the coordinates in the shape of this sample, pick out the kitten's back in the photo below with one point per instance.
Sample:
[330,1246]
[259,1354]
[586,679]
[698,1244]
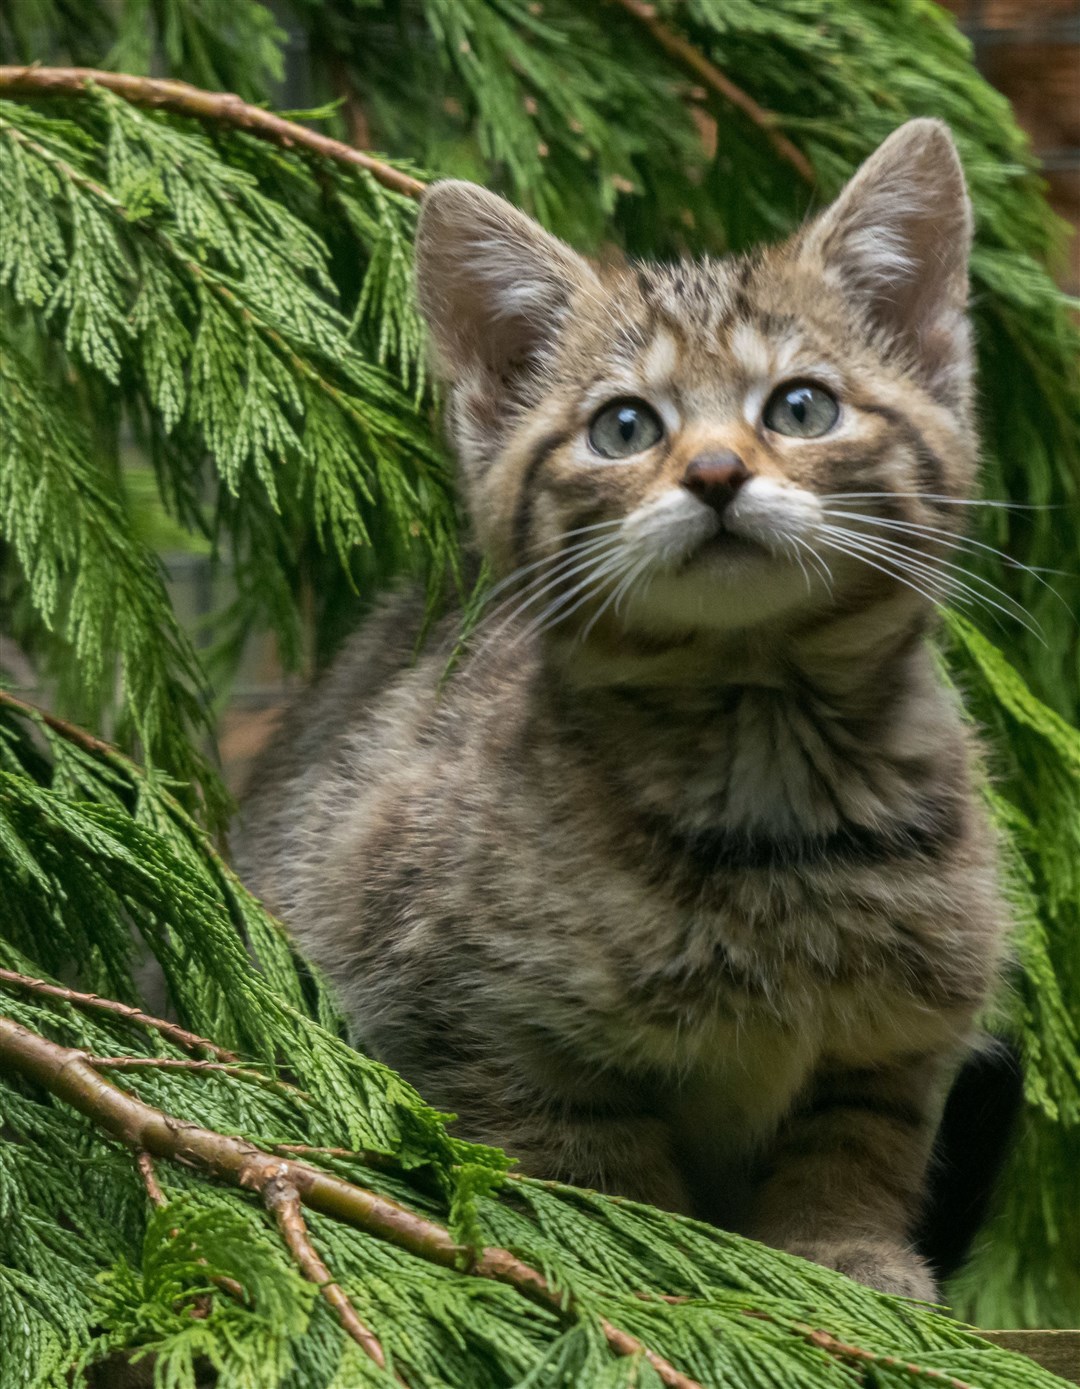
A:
[294,790]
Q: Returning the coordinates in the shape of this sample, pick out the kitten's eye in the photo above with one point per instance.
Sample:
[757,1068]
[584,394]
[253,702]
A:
[624,427]
[801,410]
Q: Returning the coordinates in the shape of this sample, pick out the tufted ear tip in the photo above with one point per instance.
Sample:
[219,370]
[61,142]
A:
[491,283]
[897,242]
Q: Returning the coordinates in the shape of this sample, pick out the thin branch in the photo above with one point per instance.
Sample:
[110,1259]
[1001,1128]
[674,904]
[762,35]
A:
[685,53]
[385,1162]
[223,108]
[180,1036]
[860,1356]
[283,1201]
[65,1073]
[145,1163]
[183,1063]
[98,746]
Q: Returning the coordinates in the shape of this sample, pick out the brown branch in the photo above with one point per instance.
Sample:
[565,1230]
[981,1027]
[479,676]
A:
[182,99]
[183,1063]
[385,1162]
[283,1201]
[66,1073]
[70,731]
[685,53]
[189,1041]
[145,1163]
[861,1356]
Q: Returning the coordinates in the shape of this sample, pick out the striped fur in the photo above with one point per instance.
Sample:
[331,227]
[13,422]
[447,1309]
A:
[678,887]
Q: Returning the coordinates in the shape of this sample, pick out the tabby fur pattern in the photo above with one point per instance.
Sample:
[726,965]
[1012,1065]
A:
[679,885]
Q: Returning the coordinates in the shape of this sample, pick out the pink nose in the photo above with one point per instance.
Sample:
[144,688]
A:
[714,478]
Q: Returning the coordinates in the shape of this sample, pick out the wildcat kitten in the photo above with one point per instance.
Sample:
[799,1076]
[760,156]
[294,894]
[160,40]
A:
[678,886]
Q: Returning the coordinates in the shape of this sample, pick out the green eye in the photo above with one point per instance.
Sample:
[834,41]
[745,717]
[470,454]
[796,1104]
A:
[624,427]
[801,410]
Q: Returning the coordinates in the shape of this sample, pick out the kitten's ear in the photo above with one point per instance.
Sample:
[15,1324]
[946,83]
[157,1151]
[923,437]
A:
[492,284]
[898,239]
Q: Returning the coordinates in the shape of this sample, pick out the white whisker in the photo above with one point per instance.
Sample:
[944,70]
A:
[861,546]
[615,595]
[907,554]
[577,564]
[585,589]
[961,542]
[889,573]
[579,548]
[937,497]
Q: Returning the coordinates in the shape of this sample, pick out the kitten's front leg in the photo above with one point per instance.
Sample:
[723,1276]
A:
[621,1154]
[845,1182]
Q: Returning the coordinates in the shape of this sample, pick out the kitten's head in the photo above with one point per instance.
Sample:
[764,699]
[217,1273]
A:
[722,444]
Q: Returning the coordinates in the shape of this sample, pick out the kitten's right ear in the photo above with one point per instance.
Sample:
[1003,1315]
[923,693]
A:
[492,284]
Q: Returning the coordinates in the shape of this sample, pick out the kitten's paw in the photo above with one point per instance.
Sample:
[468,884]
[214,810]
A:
[880,1264]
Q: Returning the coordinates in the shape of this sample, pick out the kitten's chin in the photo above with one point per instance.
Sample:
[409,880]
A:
[731,583]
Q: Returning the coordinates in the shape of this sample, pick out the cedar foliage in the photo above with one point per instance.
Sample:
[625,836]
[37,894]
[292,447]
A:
[241,314]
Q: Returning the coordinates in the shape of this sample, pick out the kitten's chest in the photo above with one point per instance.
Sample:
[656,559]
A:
[748,991]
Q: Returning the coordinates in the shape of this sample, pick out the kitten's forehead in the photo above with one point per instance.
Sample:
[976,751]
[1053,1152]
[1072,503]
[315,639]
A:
[709,323]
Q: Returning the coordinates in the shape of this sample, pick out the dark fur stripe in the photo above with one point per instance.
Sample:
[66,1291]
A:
[895,1111]
[523,511]
[931,469]
[708,850]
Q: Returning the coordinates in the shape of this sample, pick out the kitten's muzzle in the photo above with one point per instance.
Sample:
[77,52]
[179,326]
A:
[715,478]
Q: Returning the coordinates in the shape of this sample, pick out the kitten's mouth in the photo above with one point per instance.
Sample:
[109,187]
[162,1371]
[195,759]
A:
[725,545]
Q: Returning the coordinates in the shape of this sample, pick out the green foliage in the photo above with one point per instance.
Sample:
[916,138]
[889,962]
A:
[104,866]
[148,258]
[1035,795]
[238,317]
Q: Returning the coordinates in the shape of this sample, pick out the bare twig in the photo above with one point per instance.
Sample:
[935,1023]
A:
[225,108]
[70,731]
[183,1063]
[189,1041]
[385,1162]
[283,1201]
[685,53]
[66,1073]
[861,1356]
[145,1163]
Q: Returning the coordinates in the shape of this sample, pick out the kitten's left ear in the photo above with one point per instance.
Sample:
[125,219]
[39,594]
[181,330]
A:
[898,240]
[492,284]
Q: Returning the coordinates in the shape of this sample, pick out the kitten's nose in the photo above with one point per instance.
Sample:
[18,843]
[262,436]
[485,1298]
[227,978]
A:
[714,478]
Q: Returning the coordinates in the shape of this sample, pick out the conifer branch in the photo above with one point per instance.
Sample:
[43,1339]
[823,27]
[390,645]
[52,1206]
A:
[182,1063]
[685,53]
[72,732]
[223,108]
[859,1355]
[283,1201]
[68,1074]
[200,273]
[145,1164]
[365,1157]
[171,1031]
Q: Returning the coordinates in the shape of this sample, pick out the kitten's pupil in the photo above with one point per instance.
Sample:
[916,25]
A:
[623,428]
[802,410]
